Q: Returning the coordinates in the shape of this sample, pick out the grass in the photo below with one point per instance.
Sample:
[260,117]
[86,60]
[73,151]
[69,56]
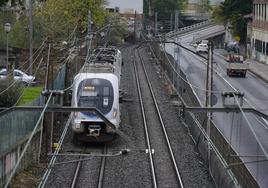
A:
[30,94]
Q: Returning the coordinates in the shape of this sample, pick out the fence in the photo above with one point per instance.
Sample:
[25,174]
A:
[15,128]
[222,153]
[15,125]
[59,82]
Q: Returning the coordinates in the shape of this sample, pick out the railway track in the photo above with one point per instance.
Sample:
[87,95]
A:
[83,159]
[153,121]
[77,167]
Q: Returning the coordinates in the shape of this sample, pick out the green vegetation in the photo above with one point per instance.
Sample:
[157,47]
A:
[234,12]
[30,94]
[9,92]
[205,6]
[51,20]
[164,7]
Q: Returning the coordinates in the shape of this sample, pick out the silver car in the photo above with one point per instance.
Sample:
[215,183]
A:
[19,75]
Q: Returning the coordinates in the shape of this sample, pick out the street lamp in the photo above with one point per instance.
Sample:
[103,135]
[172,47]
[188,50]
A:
[7,28]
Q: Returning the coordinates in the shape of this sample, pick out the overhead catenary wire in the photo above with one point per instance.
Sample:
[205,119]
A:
[41,61]
[24,63]
[15,81]
[215,150]
[249,124]
[56,152]
[251,127]
[12,174]
[186,81]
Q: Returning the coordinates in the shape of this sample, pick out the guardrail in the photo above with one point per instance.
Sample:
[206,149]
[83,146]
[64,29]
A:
[189,28]
[207,36]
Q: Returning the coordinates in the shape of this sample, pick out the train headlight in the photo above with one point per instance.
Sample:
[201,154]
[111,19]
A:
[114,112]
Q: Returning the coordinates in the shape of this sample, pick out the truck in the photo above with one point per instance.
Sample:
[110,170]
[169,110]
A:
[236,65]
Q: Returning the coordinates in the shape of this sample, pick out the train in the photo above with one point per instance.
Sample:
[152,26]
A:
[97,86]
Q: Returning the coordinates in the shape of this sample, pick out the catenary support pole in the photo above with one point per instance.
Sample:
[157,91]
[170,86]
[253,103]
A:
[155,23]
[31,35]
[209,97]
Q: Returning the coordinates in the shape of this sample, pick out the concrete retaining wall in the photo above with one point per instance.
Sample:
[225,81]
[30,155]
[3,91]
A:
[9,159]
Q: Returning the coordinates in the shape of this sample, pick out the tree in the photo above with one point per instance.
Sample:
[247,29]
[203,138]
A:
[234,11]
[58,20]
[3,2]
[205,6]
[164,7]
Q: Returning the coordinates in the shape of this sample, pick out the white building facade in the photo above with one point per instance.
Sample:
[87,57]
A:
[259,32]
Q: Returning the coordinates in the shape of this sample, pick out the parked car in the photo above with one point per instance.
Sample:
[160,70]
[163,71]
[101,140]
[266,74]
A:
[19,75]
[202,48]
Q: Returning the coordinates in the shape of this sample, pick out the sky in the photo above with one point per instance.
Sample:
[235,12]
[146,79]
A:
[127,4]
[138,4]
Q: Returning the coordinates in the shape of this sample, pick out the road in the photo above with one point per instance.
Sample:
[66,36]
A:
[246,132]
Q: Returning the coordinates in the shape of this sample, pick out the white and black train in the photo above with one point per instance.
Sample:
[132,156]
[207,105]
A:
[97,86]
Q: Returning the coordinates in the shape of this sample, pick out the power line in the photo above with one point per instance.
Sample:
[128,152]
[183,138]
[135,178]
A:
[15,81]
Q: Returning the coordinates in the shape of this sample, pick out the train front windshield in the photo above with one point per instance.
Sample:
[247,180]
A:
[96,93]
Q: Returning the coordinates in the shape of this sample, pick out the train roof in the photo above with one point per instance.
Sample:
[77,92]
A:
[107,51]
[103,58]
[103,67]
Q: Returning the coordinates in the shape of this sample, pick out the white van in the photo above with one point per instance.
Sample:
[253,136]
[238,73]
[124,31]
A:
[202,48]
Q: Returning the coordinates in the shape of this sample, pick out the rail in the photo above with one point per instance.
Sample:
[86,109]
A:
[163,126]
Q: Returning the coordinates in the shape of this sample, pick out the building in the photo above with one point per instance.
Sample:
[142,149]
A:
[259,33]
[130,11]
[125,5]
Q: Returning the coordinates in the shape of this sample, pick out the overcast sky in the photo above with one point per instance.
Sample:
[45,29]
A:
[127,4]
[138,4]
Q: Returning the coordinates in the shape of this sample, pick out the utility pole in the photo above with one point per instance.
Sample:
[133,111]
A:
[176,20]
[89,29]
[155,23]
[47,68]
[211,73]
[31,36]
[209,83]
[135,25]
[150,12]
[89,36]
[171,21]
[89,23]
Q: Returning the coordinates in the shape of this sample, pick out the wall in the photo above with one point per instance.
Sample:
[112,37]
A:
[9,159]
[259,41]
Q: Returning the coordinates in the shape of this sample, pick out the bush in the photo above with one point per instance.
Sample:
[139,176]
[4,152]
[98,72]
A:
[11,95]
